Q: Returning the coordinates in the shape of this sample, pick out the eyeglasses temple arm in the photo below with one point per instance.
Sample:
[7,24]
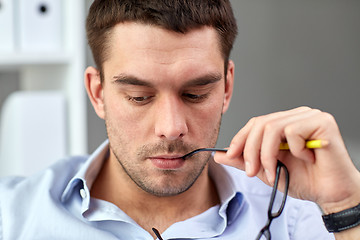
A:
[157,234]
[204,150]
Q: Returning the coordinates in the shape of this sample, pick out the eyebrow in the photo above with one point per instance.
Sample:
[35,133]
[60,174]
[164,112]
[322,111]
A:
[199,81]
[131,80]
[204,80]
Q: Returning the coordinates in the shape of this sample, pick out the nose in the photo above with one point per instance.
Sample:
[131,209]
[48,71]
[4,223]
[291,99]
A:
[171,121]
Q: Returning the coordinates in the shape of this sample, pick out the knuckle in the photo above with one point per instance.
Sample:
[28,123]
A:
[297,152]
[290,130]
[329,118]
[316,111]
[303,108]
[253,120]
[272,125]
[269,127]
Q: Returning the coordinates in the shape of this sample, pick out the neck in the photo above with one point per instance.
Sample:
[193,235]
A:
[115,186]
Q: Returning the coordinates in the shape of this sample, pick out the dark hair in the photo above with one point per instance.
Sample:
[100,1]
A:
[175,15]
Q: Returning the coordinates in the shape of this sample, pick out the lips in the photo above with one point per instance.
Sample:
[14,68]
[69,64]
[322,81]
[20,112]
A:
[167,162]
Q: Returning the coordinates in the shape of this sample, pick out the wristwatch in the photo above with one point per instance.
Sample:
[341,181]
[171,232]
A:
[340,221]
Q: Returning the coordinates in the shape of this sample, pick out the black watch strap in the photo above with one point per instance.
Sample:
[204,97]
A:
[340,221]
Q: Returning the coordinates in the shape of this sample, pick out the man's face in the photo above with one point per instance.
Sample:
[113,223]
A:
[163,95]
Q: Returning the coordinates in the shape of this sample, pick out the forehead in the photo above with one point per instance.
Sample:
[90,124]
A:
[138,47]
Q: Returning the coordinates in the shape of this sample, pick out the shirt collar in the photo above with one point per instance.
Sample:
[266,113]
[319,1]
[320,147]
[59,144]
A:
[88,172]
[231,199]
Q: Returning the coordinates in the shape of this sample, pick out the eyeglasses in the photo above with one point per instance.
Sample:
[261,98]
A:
[265,231]
[271,213]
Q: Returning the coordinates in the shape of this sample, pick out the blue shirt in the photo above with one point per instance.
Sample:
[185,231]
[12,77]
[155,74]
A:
[56,204]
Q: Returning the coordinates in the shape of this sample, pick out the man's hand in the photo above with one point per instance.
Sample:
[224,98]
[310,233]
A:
[326,176]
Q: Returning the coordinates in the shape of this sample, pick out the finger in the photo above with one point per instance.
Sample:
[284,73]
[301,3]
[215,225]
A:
[310,127]
[254,141]
[237,144]
[274,134]
[297,146]
[252,148]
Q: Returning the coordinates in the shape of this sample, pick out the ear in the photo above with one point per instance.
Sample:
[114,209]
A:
[94,89]
[229,85]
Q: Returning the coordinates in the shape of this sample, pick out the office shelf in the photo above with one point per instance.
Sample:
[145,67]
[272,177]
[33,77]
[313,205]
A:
[18,60]
[61,71]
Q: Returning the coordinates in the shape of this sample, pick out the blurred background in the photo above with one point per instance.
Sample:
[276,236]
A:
[288,53]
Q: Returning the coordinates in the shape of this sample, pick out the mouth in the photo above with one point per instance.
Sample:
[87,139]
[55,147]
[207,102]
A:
[168,162]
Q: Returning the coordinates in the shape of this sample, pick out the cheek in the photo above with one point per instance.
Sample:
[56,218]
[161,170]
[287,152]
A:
[120,121]
[213,108]
[206,122]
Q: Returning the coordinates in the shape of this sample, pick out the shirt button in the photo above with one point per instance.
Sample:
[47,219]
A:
[83,193]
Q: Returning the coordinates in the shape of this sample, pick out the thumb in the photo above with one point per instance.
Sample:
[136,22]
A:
[237,162]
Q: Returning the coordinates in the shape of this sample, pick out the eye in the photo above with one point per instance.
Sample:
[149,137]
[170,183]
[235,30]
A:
[139,100]
[195,97]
